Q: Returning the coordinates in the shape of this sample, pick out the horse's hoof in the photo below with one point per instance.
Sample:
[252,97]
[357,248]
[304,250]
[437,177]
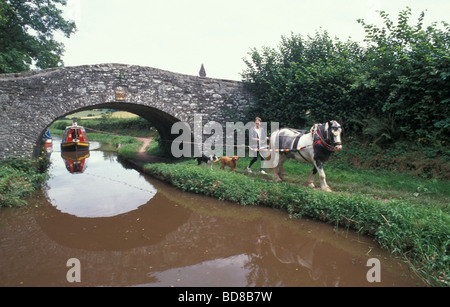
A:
[277,179]
[310,185]
[328,189]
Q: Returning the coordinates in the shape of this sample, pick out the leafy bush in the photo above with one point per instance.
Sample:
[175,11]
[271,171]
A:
[19,177]
[129,151]
[154,148]
[127,126]
[396,88]
[61,124]
[402,157]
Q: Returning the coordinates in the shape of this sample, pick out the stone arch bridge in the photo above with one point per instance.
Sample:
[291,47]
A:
[32,101]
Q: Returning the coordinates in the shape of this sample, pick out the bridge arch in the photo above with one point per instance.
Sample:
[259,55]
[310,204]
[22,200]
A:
[157,118]
[32,101]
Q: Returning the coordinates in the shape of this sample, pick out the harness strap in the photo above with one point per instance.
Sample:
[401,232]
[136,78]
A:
[320,141]
[295,143]
[300,153]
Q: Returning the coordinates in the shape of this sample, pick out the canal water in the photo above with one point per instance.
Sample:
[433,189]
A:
[127,229]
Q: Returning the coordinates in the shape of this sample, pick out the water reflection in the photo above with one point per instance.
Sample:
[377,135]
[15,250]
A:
[147,225]
[180,239]
[127,229]
[75,161]
[104,189]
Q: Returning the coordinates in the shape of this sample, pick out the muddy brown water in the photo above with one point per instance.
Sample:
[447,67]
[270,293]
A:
[127,229]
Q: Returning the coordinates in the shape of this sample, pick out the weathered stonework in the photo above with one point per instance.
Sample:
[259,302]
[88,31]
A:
[32,101]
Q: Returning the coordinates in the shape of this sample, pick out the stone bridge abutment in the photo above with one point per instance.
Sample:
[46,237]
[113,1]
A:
[32,101]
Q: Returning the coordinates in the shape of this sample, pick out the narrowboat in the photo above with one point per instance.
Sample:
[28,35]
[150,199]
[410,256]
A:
[74,138]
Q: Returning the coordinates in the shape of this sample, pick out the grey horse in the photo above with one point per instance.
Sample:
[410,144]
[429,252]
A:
[314,146]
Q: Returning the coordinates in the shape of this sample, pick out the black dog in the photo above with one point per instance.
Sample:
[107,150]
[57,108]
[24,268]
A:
[206,159]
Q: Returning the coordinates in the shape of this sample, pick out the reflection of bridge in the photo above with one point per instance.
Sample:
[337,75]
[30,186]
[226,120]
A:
[162,237]
[151,240]
[32,101]
[162,240]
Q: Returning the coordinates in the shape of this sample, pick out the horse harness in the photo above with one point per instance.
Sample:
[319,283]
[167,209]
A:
[317,140]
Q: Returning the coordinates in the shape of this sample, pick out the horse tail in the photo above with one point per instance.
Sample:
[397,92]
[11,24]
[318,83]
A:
[268,155]
[273,144]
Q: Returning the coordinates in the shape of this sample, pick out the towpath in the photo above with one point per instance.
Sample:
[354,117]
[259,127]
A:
[142,155]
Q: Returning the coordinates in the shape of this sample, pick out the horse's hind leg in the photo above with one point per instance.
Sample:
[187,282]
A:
[278,171]
[310,182]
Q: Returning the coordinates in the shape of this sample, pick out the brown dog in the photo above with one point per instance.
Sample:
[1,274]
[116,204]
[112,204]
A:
[231,162]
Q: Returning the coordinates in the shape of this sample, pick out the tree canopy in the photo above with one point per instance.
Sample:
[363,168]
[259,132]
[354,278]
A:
[27,31]
[396,86]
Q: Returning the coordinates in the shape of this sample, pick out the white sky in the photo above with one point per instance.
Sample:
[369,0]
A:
[180,35]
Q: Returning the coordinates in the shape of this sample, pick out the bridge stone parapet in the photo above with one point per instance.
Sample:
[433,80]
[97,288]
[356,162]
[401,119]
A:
[32,101]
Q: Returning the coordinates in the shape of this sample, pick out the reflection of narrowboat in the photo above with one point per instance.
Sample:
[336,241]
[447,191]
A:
[76,162]
[74,138]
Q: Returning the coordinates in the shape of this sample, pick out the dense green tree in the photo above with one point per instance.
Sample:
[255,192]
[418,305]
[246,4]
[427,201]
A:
[410,75]
[27,31]
[395,87]
[304,80]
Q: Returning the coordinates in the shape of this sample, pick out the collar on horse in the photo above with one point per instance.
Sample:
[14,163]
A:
[319,140]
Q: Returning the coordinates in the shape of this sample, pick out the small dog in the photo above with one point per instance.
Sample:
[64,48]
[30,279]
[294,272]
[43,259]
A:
[206,159]
[231,162]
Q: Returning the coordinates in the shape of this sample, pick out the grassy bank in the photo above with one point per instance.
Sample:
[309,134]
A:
[19,177]
[420,233]
[378,184]
[127,146]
